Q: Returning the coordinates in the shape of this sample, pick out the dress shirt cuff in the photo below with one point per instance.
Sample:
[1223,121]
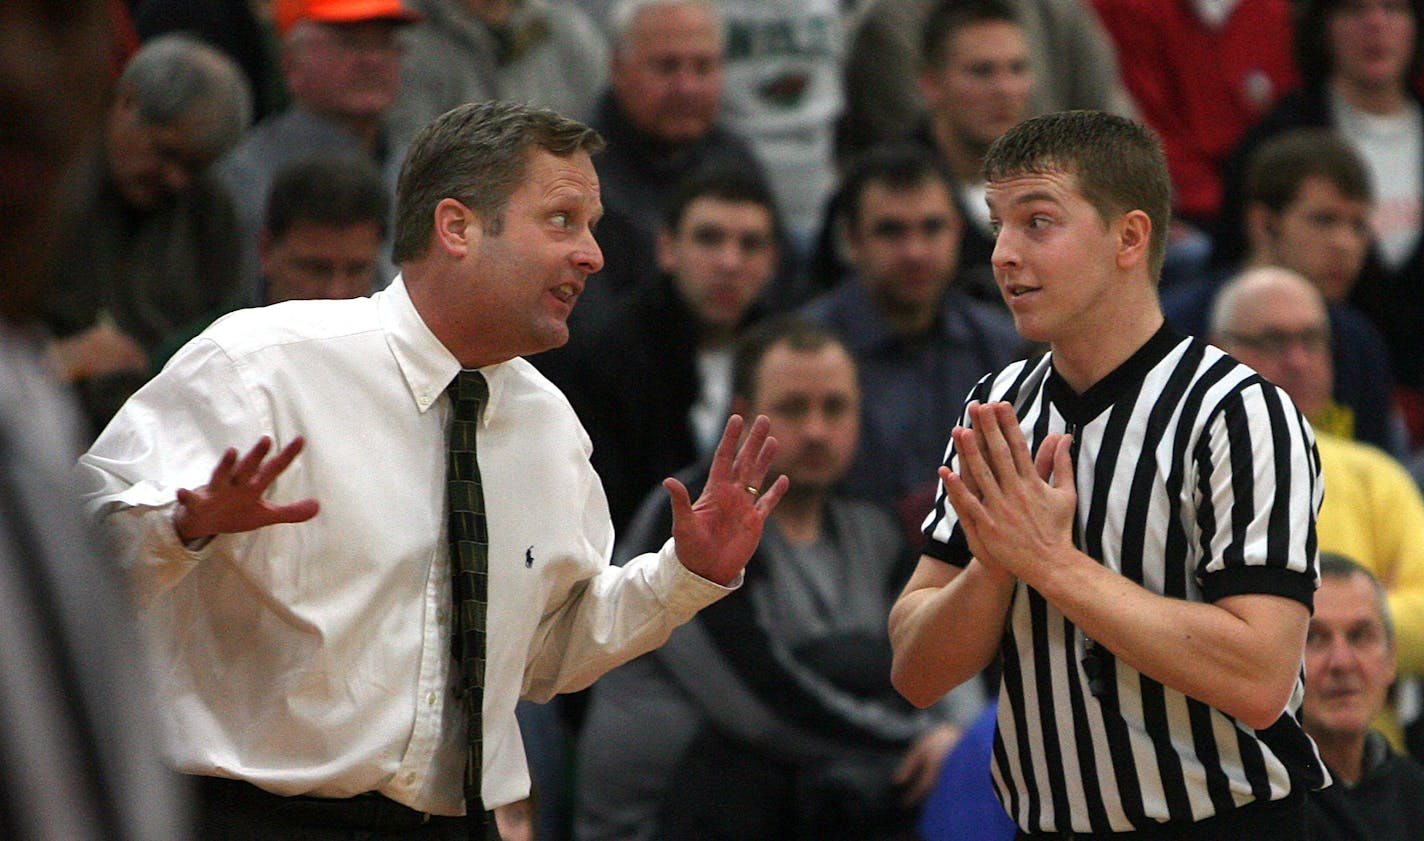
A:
[680,587]
[155,557]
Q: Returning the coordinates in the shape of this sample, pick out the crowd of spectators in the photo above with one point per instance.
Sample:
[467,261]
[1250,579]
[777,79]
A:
[820,158]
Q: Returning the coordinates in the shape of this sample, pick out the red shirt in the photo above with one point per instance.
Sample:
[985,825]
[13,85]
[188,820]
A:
[1199,87]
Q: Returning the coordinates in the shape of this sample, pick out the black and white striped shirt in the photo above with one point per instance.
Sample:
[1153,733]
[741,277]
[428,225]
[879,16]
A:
[1197,479]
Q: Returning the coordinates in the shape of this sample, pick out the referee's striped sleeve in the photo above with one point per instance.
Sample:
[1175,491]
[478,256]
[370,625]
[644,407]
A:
[1257,468]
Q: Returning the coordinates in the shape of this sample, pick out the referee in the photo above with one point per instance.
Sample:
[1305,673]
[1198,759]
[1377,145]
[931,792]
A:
[1147,576]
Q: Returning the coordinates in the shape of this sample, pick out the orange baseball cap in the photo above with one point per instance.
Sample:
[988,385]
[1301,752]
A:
[291,12]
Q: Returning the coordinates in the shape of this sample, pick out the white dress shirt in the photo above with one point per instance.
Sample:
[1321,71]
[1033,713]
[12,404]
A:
[316,658]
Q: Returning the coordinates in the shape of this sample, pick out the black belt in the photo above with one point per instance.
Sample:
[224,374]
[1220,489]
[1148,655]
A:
[369,811]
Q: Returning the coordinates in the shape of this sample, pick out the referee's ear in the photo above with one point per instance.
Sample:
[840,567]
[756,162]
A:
[1134,240]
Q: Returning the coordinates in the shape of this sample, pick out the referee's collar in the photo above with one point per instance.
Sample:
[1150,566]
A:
[1081,408]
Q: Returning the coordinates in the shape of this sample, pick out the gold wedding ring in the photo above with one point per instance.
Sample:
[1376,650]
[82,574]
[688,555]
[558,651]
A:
[754,491]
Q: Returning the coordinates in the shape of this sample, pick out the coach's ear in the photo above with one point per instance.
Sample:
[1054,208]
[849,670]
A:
[1134,239]
[457,227]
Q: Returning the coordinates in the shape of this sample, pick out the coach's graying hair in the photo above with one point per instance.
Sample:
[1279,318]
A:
[476,154]
[1118,164]
[172,75]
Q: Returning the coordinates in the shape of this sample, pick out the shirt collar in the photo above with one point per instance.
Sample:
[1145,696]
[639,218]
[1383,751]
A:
[427,365]
[1375,753]
[1082,408]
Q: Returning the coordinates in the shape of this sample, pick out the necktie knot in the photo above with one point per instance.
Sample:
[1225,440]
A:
[468,392]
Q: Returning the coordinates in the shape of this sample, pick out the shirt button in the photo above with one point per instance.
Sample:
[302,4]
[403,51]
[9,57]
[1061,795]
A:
[430,699]
[410,778]
[441,615]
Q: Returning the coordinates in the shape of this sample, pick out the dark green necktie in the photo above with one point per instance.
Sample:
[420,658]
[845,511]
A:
[469,564]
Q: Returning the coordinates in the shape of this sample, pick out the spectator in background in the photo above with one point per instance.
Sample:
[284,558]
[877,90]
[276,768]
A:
[977,82]
[654,385]
[341,63]
[1275,321]
[1308,207]
[1357,59]
[535,51]
[1350,658]
[920,343]
[770,717]
[79,748]
[151,243]
[1201,72]
[1073,60]
[321,238]
[783,93]
[660,117]
[240,28]
[326,219]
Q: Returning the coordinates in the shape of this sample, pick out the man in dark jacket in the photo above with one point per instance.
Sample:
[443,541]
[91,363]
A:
[771,716]
[1349,655]
[653,385]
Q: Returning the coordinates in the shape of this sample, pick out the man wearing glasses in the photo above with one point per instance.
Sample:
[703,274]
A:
[1275,321]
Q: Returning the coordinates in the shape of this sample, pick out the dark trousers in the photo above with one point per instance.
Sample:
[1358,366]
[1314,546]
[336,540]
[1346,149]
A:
[232,810]
[1274,820]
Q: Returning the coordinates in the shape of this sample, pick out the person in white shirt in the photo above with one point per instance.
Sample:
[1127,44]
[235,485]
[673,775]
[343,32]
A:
[301,606]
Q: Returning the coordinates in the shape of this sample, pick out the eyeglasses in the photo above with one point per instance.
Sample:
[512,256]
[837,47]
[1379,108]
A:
[1278,342]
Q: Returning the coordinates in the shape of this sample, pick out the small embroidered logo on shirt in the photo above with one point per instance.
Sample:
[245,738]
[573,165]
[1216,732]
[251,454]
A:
[529,558]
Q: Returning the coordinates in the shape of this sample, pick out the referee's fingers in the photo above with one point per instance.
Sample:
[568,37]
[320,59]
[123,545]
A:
[1008,423]
[998,452]
[1045,461]
[966,504]
[974,464]
[1063,463]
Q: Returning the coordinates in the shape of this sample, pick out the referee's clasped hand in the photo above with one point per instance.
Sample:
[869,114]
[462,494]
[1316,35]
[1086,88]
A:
[1016,510]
